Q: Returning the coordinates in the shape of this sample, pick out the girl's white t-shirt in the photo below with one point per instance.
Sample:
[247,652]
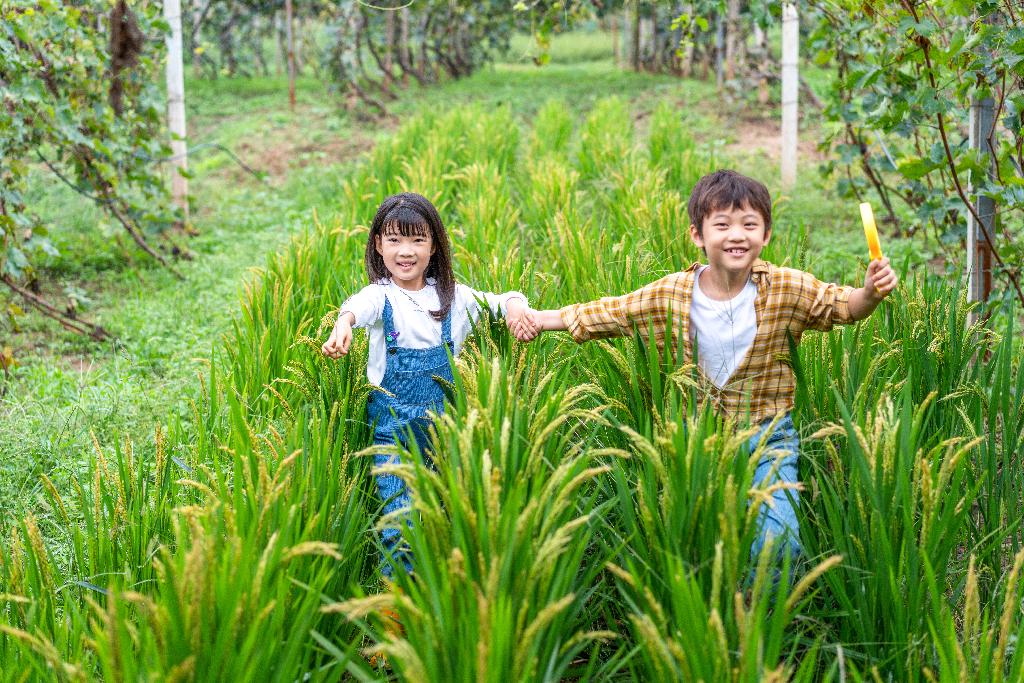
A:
[723,331]
[410,311]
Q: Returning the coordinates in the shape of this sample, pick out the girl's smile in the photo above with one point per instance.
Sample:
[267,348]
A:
[406,257]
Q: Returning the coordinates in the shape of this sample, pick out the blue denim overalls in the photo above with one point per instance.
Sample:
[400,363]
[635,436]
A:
[409,376]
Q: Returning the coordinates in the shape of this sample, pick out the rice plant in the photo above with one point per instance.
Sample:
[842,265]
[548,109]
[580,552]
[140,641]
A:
[582,518]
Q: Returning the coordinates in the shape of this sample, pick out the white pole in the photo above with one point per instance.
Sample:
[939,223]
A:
[176,106]
[790,90]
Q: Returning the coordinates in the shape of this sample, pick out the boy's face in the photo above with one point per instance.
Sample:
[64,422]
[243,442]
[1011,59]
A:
[732,238]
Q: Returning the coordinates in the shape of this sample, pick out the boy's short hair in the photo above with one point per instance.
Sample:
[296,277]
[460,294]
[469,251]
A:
[727,189]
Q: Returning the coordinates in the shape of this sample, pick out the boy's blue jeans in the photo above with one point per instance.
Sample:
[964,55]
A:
[778,521]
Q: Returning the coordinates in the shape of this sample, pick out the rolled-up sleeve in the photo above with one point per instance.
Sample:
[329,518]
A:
[471,300]
[618,316]
[826,303]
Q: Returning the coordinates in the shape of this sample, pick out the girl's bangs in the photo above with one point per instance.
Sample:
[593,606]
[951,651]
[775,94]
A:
[406,222]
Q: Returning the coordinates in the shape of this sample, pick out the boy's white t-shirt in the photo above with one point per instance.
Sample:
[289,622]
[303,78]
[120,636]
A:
[416,328]
[723,331]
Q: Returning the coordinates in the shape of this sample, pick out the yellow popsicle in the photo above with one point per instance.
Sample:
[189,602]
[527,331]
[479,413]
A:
[870,231]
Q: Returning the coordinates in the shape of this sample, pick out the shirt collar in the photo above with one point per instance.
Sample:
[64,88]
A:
[761,270]
[430,281]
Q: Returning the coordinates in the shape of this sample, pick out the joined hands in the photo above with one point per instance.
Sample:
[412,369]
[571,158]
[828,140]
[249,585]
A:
[522,320]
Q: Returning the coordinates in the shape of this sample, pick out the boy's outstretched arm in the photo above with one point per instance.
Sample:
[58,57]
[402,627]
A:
[531,323]
[549,321]
[879,282]
[611,316]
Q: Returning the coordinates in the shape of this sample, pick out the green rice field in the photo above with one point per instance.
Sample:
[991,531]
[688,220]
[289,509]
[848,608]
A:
[585,520]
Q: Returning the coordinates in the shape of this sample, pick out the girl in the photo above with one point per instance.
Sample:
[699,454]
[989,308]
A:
[416,315]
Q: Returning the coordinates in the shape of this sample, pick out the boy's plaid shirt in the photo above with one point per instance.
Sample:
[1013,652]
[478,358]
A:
[763,384]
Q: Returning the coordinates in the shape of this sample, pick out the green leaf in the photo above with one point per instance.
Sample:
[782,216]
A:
[914,168]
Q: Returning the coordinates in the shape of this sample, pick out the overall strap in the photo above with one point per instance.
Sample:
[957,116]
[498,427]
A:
[446,327]
[390,335]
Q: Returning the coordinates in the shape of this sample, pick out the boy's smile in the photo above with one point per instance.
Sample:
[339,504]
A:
[733,239]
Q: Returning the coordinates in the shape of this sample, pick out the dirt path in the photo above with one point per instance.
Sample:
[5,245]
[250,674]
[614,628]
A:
[756,135]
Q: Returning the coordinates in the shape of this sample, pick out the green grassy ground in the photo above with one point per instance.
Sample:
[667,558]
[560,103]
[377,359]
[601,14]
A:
[65,388]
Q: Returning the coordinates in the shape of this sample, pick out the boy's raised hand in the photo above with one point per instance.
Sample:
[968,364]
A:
[338,344]
[880,279]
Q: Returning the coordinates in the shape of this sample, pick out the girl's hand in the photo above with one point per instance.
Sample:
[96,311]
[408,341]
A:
[520,320]
[338,344]
[525,328]
[880,279]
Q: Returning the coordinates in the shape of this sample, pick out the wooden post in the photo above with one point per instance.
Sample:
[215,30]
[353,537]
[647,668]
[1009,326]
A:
[176,107]
[979,249]
[790,93]
[720,51]
[291,53]
[732,39]
[615,40]
[636,35]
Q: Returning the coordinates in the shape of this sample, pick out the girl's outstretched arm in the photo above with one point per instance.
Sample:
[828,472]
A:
[338,344]
[362,309]
[513,306]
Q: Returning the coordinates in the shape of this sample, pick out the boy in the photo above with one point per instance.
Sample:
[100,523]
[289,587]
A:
[737,309]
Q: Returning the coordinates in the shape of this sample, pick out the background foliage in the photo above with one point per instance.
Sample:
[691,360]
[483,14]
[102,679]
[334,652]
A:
[906,76]
[88,112]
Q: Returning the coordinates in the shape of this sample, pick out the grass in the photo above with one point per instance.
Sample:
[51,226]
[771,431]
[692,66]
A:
[586,521]
[67,387]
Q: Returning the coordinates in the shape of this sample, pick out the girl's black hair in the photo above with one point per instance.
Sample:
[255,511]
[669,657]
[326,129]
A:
[408,213]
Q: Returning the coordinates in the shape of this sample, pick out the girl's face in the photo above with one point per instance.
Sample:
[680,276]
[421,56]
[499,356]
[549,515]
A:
[406,257]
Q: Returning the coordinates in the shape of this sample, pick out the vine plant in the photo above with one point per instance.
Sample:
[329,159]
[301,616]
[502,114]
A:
[80,100]
[908,72]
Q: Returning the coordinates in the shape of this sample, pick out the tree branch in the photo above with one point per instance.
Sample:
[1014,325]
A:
[51,311]
[951,162]
[1009,9]
[870,173]
[376,54]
